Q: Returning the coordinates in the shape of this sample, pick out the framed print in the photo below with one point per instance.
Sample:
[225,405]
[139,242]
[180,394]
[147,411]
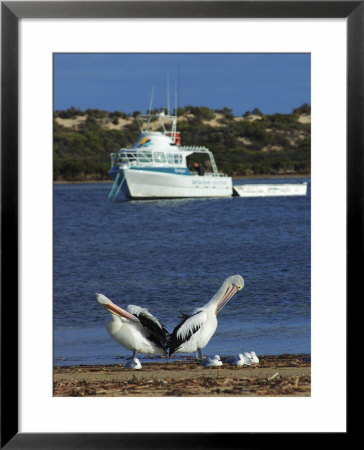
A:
[37,41]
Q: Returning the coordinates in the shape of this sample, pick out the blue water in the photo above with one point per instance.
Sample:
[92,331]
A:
[173,255]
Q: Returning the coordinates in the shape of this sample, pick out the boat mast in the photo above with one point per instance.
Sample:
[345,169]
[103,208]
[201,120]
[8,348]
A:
[174,124]
[150,108]
[151,100]
[163,118]
[168,111]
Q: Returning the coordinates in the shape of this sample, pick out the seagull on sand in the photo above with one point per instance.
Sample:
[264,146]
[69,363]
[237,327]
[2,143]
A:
[133,363]
[240,360]
[211,362]
[254,358]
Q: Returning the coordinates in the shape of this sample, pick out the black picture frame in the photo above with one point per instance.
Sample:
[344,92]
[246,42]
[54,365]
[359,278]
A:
[11,12]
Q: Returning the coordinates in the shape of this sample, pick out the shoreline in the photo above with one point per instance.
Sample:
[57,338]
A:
[274,376]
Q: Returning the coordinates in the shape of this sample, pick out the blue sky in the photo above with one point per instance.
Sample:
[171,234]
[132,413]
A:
[274,82]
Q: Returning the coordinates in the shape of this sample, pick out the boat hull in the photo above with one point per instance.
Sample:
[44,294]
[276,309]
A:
[143,184]
[270,190]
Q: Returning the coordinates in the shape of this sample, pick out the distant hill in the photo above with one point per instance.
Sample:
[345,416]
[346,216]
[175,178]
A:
[254,144]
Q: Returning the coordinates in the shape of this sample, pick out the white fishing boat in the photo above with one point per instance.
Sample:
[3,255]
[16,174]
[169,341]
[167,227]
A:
[158,165]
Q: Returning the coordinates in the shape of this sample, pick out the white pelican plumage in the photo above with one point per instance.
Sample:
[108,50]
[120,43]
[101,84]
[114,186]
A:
[135,329]
[212,362]
[133,363]
[195,331]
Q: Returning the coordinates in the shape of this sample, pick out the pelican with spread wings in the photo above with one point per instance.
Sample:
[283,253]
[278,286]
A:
[135,328]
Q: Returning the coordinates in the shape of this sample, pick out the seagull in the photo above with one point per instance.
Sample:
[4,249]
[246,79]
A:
[247,355]
[195,331]
[211,362]
[133,363]
[240,360]
[254,358]
[135,329]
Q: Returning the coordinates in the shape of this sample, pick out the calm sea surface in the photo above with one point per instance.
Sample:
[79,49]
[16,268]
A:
[173,255]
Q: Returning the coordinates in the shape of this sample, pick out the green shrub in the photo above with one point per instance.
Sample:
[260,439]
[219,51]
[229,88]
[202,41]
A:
[85,152]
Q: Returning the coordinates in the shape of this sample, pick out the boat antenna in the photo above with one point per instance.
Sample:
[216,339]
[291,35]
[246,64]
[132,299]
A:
[175,98]
[174,126]
[151,100]
[168,93]
[178,87]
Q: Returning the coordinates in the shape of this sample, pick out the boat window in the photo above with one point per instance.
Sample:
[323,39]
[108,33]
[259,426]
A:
[159,157]
[131,156]
[144,156]
[170,158]
[177,158]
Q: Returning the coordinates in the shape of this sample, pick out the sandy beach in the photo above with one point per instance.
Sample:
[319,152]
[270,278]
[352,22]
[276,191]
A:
[283,375]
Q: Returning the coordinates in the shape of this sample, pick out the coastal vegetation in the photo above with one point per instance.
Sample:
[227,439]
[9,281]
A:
[253,144]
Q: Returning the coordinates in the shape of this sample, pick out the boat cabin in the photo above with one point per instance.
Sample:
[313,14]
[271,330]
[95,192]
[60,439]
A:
[160,149]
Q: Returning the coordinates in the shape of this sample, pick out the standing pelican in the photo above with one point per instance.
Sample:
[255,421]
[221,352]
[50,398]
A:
[195,331]
[135,329]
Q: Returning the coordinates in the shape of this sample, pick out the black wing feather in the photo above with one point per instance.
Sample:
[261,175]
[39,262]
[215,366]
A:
[176,342]
[159,336]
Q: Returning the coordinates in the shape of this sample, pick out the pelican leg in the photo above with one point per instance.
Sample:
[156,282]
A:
[200,353]
[134,354]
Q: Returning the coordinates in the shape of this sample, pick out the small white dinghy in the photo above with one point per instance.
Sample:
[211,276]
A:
[270,190]
[133,364]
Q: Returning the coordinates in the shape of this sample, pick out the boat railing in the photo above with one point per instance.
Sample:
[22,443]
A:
[206,151]
[210,174]
[145,121]
[128,157]
[138,157]
[194,148]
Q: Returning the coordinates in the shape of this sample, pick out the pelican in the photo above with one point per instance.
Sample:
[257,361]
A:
[135,329]
[133,363]
[195,331]
[240,360]
[212,362]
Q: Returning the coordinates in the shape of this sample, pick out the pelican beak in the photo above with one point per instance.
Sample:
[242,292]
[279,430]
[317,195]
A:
[114,309]
[230,291]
